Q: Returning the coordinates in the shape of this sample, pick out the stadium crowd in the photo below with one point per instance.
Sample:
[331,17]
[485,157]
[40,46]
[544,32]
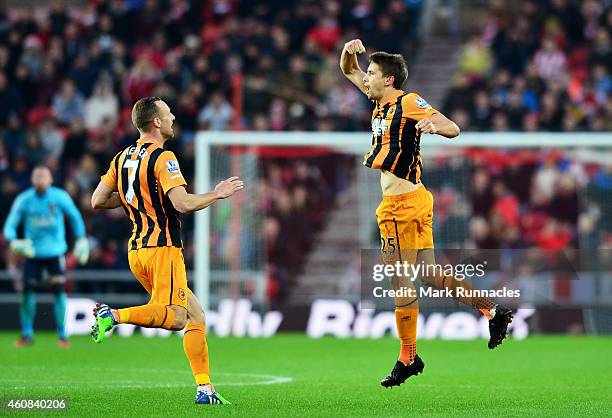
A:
[540,66]
[69,76]
[531,199]
[537,66]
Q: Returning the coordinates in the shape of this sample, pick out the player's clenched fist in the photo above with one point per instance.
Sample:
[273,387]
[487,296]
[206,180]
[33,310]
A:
[354,47]
[426,126]
[228,187]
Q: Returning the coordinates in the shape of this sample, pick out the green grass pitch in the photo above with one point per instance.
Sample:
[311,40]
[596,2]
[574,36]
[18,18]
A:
[290,375]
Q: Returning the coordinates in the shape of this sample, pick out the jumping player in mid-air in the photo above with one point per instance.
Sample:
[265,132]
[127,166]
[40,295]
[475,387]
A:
[147,181]
[406,212]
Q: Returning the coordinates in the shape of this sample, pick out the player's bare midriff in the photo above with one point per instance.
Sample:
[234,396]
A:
[393,185]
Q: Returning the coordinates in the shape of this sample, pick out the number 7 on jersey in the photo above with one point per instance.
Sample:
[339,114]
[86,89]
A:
[132,167]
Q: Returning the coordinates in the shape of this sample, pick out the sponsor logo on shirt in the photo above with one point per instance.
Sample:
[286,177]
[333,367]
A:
[379,126]
[43,221]
[420,102]
[172,166]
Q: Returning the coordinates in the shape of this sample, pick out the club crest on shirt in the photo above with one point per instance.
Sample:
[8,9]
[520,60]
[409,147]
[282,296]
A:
[52,207]
[181,294]
[391,112]
[172,166]
[421,103]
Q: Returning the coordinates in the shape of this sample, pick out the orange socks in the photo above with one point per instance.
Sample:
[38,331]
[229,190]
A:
[150,316]
[406,320]
[196,349]
[194,339]
[487,313]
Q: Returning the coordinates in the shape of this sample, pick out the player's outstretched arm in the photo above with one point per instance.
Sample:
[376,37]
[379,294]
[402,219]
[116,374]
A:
[350,65]
[105,198]
[186,202]
[438,124]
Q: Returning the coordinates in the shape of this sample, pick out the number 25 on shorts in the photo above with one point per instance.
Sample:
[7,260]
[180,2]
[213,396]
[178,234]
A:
[387,245]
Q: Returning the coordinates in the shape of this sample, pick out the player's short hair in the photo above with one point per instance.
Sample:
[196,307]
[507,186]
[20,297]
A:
[41,167]
[144,111]
[391,65]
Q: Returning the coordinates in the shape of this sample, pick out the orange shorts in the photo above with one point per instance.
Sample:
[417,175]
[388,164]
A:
[405,221]
[161,271]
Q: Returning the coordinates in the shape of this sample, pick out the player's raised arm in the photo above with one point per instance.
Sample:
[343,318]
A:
[350,65]
[186,202]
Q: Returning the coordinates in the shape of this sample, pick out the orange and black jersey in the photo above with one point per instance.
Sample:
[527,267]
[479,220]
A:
[143,174]
[396,144]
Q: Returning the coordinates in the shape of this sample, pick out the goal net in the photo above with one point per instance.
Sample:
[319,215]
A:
[307,210]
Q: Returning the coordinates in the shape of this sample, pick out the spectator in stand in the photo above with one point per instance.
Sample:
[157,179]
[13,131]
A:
[141,80]
[86,176]
[74,148]
[10,103]
[51,139]
[216,115]
[326,34]
[103,104]
[33,56]
[475,61]
[86,69]
[31,153]
[13,136]
[68,103]
[550,61]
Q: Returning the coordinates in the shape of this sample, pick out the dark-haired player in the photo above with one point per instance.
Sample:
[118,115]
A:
[405,214]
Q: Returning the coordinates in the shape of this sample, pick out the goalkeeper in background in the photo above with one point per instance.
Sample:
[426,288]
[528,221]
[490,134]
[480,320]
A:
[42,208]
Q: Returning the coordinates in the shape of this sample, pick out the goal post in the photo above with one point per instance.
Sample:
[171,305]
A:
[582,145]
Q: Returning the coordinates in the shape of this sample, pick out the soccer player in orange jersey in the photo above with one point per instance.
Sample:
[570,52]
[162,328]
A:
[406,212]
[146,180]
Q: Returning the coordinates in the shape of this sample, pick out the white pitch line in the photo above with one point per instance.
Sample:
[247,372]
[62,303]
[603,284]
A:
[267,379]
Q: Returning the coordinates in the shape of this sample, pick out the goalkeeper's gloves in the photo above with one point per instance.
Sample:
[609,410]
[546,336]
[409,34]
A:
[81,250]
[23,247]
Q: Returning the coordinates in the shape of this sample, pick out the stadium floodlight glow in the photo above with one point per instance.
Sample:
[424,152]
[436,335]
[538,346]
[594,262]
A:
[358,143]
